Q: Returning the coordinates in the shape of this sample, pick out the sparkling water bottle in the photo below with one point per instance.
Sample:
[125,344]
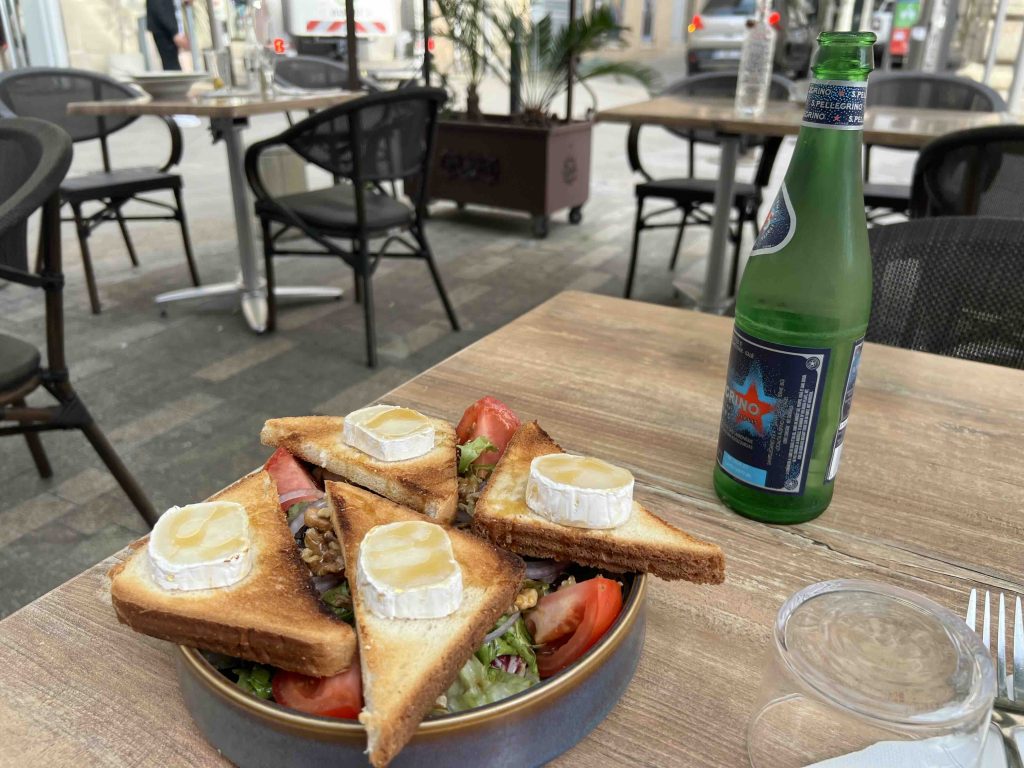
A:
[802,309]
[756,63]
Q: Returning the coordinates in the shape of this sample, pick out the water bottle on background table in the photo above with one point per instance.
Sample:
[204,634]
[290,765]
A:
[756,62]
[802,309]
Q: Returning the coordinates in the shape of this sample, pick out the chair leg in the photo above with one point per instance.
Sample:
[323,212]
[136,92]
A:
[35,447]
[371,331]
[127,238]
[429,256]
[120,472]
[189,256]
[83,243]
[637,227]
[268,268]
[679,241]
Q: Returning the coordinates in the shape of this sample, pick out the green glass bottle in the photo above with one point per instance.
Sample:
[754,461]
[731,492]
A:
[802,309]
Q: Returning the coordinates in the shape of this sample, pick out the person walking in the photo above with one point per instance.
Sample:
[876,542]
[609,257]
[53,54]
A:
[163,20]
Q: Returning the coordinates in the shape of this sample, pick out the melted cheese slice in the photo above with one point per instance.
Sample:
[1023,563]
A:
[389,432]
[201,546]
[407,570]
[579,491]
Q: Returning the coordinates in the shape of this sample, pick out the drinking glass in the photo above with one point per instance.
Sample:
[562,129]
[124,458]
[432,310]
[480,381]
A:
[218,64]
[861,667]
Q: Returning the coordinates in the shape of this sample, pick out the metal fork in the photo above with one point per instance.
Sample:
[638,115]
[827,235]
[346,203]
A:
[1009,687]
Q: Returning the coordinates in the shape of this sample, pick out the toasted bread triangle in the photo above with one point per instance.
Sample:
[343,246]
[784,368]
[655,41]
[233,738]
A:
[272,616]
[645,543]
[428,483]
[408,663]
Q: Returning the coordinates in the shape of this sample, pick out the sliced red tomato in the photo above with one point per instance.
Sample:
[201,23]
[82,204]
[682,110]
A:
[291,478]
[337,696]
[490,417]
[570,620]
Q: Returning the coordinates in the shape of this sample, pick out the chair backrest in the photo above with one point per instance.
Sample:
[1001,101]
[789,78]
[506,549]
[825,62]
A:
[979,172]
[951,286]
[35,157]
[316,73]
[380,137]
[931,90]
[45,92]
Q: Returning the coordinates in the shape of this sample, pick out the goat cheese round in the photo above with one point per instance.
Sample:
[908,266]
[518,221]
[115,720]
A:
[579,491]
[201,546]
[407,570]
[389,432]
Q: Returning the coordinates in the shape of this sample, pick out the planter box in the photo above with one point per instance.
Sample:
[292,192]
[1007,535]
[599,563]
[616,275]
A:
[525,168]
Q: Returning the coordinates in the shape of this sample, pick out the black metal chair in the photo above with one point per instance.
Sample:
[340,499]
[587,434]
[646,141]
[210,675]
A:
[690,196]
[979,172]
[315,73]
[35,156]
[366,142]
[918,90]
[45,93]
[951,286]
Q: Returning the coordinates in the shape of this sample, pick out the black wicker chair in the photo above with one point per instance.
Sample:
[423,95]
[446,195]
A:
[952,286]
[45,93]
[366,142]
[919,90]
[691,197]
[979,172]
[35,156]
[315,73]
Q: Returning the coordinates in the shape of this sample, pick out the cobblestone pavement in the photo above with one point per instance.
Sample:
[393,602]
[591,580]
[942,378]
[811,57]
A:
[183,396]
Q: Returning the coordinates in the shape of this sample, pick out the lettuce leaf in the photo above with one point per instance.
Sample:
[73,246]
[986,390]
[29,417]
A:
[254,679]
[473,450]
[515,642]
[339,600]
[478,684]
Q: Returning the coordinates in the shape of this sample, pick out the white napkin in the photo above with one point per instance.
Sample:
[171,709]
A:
[928,753]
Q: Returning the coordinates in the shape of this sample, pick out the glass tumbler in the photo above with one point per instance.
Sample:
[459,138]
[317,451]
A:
[218,65]
[862,675]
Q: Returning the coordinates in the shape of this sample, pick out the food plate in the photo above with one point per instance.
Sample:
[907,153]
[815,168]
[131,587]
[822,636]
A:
[168,85]
[527,729]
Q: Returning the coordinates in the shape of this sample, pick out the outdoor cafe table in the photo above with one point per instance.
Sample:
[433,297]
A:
[930,497]
[889,126]
[229,116]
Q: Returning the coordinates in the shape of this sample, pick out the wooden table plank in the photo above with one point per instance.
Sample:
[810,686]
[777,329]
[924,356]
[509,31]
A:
[929,497]
[222,107]
[892,126]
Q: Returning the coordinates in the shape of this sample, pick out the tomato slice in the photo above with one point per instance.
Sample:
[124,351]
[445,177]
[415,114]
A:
[337,696]
[290,477]
[573,619]
[491,417]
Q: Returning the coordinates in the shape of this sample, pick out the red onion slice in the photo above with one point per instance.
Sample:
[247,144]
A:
[296,525]
[544,570]
[323,583]
[302,494]
[506,625]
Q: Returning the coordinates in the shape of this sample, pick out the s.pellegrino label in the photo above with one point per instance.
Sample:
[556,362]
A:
[837,444]
[772,397]
[837,104]
[779,226]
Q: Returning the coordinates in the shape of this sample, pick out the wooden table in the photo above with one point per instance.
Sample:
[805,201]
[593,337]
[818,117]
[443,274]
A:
[229,116]
[890,126]
[930,497]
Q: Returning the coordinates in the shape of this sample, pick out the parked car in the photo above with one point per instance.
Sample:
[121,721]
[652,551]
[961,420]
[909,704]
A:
[715,35]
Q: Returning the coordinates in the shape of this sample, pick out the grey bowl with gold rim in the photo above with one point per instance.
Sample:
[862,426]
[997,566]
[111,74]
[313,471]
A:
[527,729]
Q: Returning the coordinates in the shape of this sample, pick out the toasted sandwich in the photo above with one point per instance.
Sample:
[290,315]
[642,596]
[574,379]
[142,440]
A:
[427,483]
[271,614]
[642,543]
[407,663]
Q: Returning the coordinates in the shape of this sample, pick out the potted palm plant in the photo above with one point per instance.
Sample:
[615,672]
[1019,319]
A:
[532,159]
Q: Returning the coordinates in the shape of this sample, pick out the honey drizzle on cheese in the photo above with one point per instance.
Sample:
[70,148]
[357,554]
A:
[408,555]
[583,472]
